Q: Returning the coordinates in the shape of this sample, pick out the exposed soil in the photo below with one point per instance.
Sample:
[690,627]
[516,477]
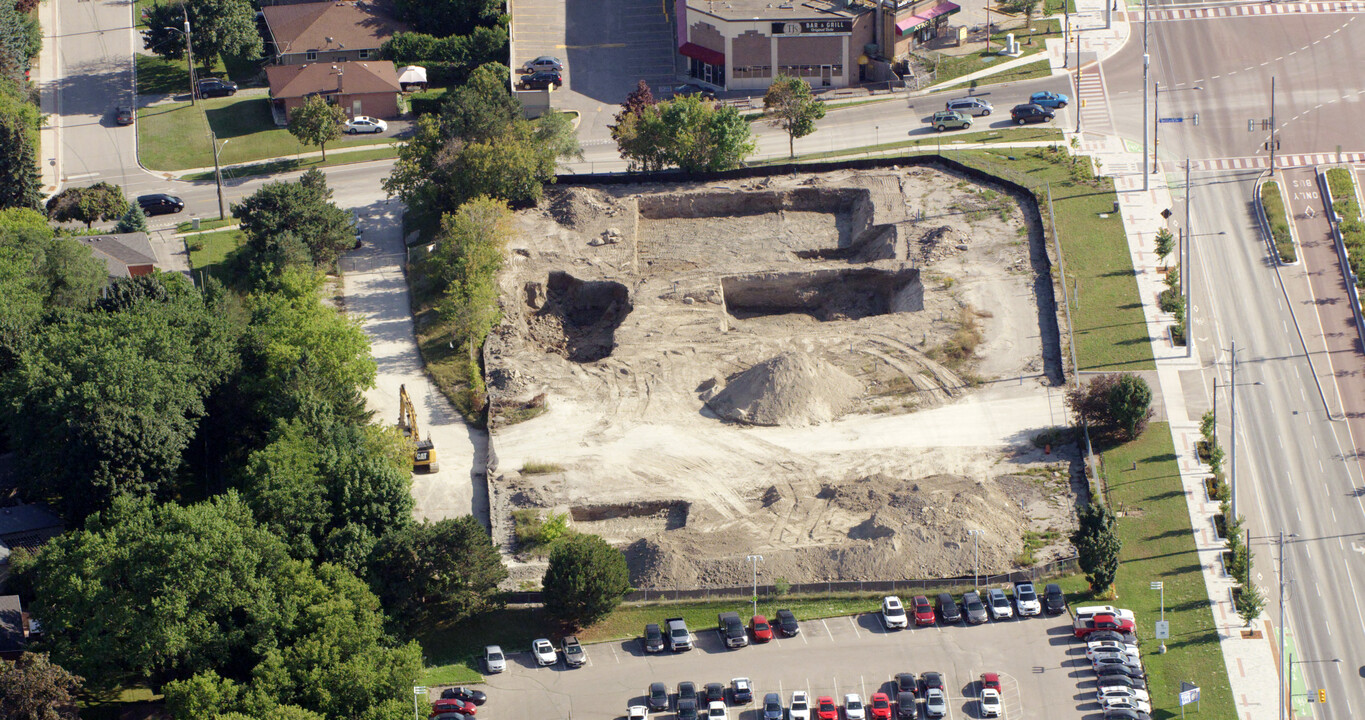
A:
[840,371]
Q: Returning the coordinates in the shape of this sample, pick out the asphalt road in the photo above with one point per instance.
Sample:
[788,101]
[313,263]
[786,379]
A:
[1297,470]
[95,47]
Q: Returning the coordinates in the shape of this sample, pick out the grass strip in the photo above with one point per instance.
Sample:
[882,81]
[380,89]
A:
[1273,204]
[205,225]
[1031,41]
[1158,544]
[1341,183]
[285,165]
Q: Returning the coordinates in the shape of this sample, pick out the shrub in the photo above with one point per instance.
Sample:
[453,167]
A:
[1273,204]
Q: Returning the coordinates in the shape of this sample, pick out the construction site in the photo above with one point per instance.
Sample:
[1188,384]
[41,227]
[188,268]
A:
[844,372]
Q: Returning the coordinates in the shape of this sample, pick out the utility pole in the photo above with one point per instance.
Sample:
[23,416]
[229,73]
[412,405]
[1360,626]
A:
[1079,102]
[976,542]
[1232,484]
[1281,657]
[1272,125]
[1146,69]
[189,54]
[218,173]
[1066,36]
[755,559]
[1187,271]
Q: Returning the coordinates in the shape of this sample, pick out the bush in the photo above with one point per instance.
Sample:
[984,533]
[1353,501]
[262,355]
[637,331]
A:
[534,533]
[1273,204]
[1113,402]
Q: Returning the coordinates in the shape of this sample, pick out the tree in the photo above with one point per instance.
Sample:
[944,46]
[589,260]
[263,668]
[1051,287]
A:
[448,17]
[33,688]
[695,134]
[585,580]
[478,225]
[99,202]
[1164,244]
[1113,402]
[1027,7]
[1250,603]
[790,105]
[293,212]
[482,108]
[1097,546]
[317,122]
[218,27]
[134,220]
[636,102]
[21,184]
[444,572]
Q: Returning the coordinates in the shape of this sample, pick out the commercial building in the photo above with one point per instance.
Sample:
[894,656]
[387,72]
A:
[744,44]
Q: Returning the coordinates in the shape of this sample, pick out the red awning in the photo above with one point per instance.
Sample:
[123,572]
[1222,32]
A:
[915,22]
[706,55]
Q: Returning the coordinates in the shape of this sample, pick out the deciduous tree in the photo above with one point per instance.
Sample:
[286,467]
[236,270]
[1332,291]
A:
[99,202]
[790,105]
[444,571]
[34,688]
[1097,545]
[1114,402]
[317,122]
[217,27]
[585,580]
[297,212]
[696,134]
[448,17]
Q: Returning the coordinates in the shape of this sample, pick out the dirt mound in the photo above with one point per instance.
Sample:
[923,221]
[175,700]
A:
[941,242]
[792,389]
[576,206]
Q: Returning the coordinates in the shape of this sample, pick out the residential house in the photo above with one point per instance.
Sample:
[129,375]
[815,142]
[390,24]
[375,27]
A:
[12,631]
[361,88]
[124,254]
[26,526]
[327,32]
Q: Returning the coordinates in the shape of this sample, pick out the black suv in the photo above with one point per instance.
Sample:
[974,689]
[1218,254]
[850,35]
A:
[1031,114]
[542,81]
[160,204]
[786,623]
[947,609]
[654,638]
[214,87]
[1054,602]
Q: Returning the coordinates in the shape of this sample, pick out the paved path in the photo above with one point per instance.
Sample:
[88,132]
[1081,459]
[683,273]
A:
[377,293]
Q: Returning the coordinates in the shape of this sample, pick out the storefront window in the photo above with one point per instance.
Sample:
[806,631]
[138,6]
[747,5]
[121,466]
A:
[753,71]
[706,72]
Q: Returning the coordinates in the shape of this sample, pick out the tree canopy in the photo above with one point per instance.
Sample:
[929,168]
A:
[585,579]
[790,105]
[1115,403]
[695,134]
[1097,546]
[448,17]
[444,572]
[217,27]
[99,202]
[317,122]
[33,688]
[288,222]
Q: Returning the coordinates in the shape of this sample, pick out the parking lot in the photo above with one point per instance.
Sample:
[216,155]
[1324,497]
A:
[1043,670]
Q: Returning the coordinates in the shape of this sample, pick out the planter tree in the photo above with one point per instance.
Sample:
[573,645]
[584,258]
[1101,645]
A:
[790,105]
[318,122]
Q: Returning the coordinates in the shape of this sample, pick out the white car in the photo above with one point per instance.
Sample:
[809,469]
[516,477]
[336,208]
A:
[1116,691]
[715,711]
[853,707]
[1093,610]
[800,707]
[999,602]
[1108,660]
[544,652]
[893,613]
[637,712]
[494,659]
[1027,600]
[363,124]
[990,703]
[935,703]
[1110,647]
[1122,703]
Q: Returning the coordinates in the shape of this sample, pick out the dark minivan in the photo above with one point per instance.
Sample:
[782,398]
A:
[906,709]
[1054,602]
[160,204]
[654,638]
[947,609]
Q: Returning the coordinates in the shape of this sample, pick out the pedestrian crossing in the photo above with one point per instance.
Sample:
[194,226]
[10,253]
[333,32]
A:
[1253,10]
[1094,105]
[1261,162]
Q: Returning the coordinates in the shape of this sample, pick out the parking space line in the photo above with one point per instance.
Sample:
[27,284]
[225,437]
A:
[827,632]
[613,653]
[852,620]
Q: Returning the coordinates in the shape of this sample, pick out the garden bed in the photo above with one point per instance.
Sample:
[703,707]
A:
[1272,202]
[1341,184]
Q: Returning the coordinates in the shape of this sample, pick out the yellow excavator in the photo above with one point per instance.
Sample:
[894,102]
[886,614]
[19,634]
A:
[424,454]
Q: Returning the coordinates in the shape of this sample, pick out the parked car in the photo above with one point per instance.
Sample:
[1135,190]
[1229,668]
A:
[879,707]
[893,613]
[786,623]
[800,706]
[216,87]
[1048,99]
[1110,691]
[466,694]
[1125,714]
[654,638]
[1054,600]
[969,106]
[493,659]
[772,707]
[1000,604]
[741,691]
[656,696]
[691,89]
[1031,114]
[1086,626]
[950,120]
[1026,600]
[687,691]
[1127,638]
[1125,703]
[990,703]
[542,81]
[365,124]
[1089,611]
[758,625]
[990,681]
[1108,660]
[544,652]
[906,707]
[715,711]
[973,608]
[907,682]
[947,609]
[686,710]
[853,707]
[123,115]
[924,612]
[453,705]
[731,630]
[1123,681]
[449,716]
[544,63]
[713,692]
[825,709]
[679,637]
[1109,647]
[573,652]
[160,204]
[935,703]
[637,712]
[931,681]
[1124,670]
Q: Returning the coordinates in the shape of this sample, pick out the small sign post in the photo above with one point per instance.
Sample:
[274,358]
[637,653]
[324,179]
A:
[1189,693]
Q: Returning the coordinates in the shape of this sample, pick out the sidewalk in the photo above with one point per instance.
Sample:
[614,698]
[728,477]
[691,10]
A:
[49,136]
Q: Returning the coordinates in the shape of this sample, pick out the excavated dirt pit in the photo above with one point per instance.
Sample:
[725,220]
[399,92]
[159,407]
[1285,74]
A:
[840,371]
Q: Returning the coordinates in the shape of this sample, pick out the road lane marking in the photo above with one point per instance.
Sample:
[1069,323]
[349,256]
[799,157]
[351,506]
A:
[1350,582]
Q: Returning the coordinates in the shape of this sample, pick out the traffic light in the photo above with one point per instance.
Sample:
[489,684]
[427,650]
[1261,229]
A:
[1322,696]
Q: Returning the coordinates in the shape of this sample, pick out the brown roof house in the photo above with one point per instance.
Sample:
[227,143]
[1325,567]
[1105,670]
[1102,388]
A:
[12,633]
[328,32]
[124,254]
[361,88]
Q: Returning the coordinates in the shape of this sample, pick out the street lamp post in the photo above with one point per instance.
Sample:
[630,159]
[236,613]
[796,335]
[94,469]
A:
[1156,111]
[1159,585]
[1283,536]
[976,543]
[218,173]
[755,559]
[1232,467]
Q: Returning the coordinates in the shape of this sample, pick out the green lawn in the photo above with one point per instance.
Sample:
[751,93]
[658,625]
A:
[1030,42]
[175,136]
[210,253]
[1158,545]
[204,225]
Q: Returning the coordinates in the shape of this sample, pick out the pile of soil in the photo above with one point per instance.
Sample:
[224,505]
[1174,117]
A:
[792,389]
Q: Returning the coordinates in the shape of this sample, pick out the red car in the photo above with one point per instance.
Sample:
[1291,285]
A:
[452,705]
[880,707]
[1085,626]
[763,632]
[990,681]
[924,612]
[825,709]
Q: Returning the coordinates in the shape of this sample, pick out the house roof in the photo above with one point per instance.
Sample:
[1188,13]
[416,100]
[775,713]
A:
[329,26]
[11,624]
[344,78]
[121,251]
[26,526]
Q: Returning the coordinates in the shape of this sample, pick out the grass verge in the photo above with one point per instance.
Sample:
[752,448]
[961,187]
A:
[175,136]
[1273,204]
[1031,41]
[204,225]
[1341,183]
[274,167]
[212,253]
[1158,544]
[936,140]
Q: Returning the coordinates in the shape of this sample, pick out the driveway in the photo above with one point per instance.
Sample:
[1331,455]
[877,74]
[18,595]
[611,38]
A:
[376,292]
